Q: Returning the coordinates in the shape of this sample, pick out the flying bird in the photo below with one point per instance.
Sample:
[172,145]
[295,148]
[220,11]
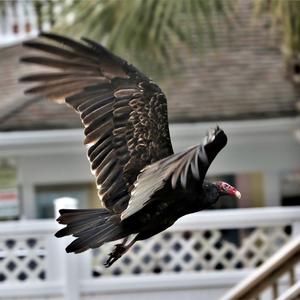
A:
[142,185]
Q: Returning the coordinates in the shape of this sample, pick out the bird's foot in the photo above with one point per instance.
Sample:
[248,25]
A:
[118,251]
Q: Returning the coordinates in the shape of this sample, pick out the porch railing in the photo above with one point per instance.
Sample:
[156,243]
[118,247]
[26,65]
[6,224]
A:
[23,19]
[210,250]
[267,278]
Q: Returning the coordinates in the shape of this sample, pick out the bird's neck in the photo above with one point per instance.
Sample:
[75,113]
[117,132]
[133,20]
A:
[210,193]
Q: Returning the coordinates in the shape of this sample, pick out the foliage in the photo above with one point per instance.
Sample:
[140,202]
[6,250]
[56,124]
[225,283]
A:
[285,22]
[150,30]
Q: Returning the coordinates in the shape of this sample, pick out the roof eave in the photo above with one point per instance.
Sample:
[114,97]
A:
[183,135]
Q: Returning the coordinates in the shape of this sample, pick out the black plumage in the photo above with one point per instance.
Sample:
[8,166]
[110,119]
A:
[143,186]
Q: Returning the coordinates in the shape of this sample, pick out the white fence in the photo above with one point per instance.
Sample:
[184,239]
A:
[23,19]
[18,21]
[203,254]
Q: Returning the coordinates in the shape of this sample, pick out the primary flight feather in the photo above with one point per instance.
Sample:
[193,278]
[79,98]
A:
[143,186]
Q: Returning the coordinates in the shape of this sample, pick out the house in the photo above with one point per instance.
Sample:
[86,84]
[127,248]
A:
[241,86]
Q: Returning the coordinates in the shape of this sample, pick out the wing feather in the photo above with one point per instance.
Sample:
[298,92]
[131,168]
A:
[123,112]
[186,168]
[58,63]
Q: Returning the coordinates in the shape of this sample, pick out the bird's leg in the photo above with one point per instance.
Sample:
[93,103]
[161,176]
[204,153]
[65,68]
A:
[124,241]
[118,251]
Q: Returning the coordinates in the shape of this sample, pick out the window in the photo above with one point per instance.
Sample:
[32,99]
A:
[45,196]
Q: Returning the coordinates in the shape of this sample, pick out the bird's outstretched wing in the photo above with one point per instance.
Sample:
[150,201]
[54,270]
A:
[124,113]
[178,169]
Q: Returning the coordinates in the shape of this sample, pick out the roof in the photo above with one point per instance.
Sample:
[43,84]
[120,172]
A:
[244,84]
[243,79]
[19,112]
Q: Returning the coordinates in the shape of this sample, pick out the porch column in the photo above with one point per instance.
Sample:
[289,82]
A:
[272,188]
[28,205]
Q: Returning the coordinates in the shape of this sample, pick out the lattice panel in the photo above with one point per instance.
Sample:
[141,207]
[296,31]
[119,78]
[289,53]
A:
[195,251]
[22,258]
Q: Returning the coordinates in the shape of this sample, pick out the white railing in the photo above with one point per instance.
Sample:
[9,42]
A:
[202,254]
[268,277]
[18,21]
[23,19]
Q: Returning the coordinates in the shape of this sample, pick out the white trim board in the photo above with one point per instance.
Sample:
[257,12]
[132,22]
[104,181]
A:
[258,145]
[187,131]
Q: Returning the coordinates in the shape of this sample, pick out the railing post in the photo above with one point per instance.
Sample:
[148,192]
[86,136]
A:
[72,280]
[62,267]
[55,259]
[71,269]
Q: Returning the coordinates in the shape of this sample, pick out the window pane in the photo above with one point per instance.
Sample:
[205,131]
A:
[45,196]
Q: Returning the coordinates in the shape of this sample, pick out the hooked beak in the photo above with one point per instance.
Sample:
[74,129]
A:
[237,194]
[234,192]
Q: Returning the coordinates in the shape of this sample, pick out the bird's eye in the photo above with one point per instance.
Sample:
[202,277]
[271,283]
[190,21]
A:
[225,186]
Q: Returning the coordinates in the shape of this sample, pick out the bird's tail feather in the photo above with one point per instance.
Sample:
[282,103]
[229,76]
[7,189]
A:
[92,227]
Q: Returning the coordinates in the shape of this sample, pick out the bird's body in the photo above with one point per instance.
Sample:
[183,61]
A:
[143,186]
[157,213]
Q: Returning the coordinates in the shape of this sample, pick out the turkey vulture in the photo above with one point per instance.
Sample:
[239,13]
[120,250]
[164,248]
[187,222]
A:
[143,186]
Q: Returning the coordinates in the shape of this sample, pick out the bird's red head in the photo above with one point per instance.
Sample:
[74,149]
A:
[226,189]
